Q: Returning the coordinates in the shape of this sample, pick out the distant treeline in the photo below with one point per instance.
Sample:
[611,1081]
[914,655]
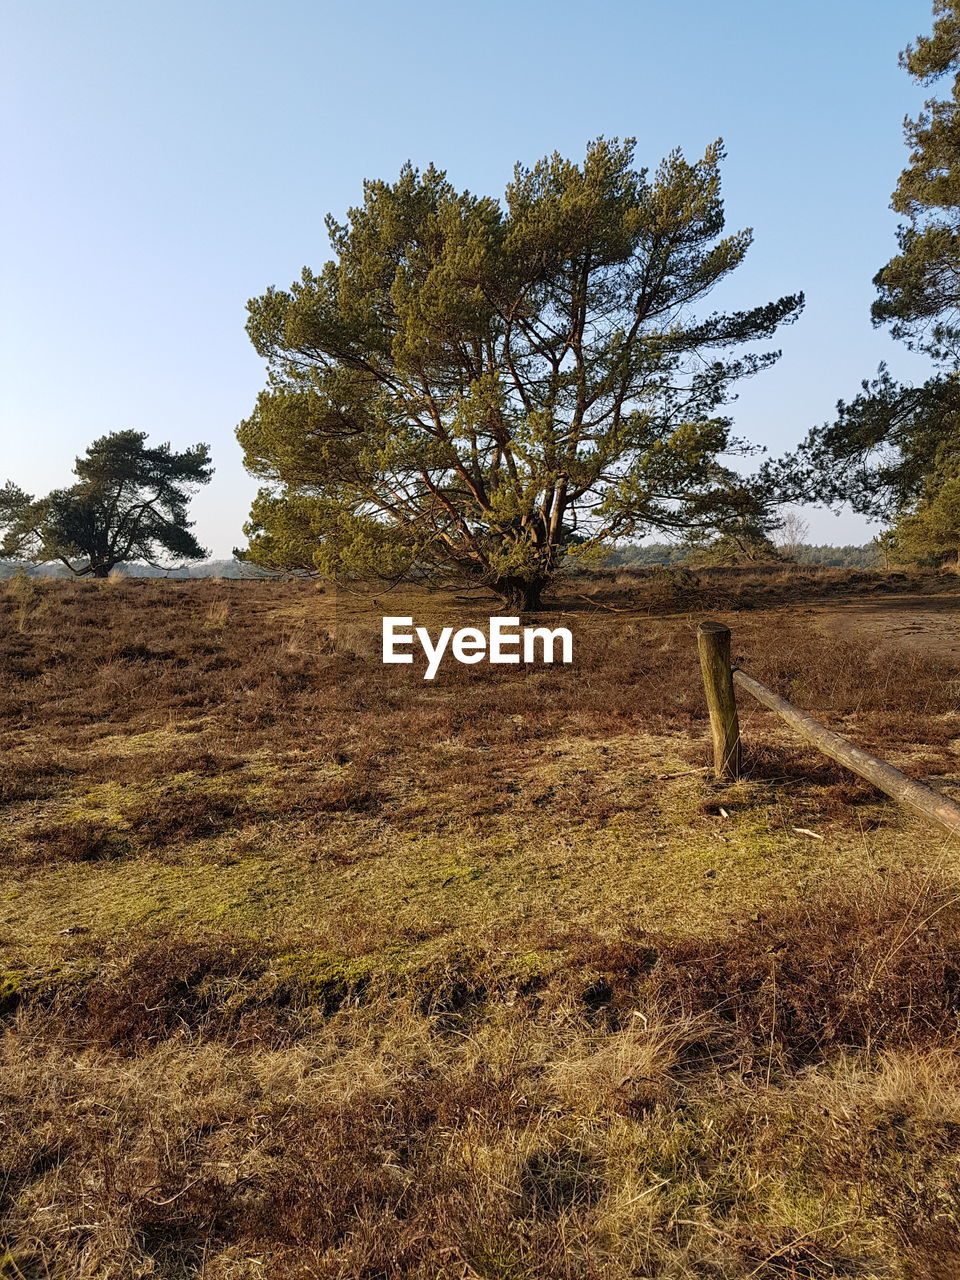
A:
[630,555]
[203,569]
[636,555]
[866,557]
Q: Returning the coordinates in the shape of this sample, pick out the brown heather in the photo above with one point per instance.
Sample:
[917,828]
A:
[314,969]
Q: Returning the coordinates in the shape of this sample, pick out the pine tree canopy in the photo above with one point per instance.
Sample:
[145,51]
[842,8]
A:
[471,389]
[129,503]
[883,454]
[919,289]
[893,451]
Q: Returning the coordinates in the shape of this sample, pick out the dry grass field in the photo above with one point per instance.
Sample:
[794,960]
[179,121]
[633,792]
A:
[314,969]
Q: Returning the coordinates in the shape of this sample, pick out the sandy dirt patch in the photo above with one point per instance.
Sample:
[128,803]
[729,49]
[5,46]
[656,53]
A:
[919,623]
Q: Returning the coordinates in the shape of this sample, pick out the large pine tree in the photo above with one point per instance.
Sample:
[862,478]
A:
[919,289]
[893,452]
[469,389]
[129,503]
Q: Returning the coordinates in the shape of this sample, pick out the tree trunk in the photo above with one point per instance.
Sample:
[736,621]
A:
[99,571]
[521,595]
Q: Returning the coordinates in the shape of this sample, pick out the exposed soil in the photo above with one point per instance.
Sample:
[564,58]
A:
[927,624]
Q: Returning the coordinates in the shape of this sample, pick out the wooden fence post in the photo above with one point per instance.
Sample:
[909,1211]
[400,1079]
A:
[713,642]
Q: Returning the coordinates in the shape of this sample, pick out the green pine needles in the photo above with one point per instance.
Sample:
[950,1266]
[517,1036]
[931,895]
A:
[471,391]
[893,451]
[129,503]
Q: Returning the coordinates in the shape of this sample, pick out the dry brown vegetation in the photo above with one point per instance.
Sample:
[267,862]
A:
[313,969]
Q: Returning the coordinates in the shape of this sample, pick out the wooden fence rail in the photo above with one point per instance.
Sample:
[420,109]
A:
[719,678]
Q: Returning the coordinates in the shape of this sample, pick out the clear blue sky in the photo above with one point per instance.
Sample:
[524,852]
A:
[167,161]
